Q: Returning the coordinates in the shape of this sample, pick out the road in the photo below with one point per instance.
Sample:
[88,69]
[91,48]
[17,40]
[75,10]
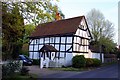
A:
[110,71]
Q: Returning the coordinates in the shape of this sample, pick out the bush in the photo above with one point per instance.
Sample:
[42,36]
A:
[24,53]
[24,71]
[10,68]
[36,62]
[89,62]
[96,62]
[78,61]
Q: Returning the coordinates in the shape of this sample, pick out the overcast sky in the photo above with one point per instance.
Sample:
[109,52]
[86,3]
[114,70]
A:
[109,8]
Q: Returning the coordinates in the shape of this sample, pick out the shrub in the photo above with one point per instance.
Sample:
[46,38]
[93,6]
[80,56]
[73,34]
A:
[78,61]
[89,62]
[96,62]
[24,53]
[24,71]
[9,68]
[36,62]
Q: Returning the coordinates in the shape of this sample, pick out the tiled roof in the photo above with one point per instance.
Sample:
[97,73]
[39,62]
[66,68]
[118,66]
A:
[49,48]
[60,27]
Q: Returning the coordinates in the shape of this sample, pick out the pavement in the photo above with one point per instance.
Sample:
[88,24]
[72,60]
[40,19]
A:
[41,72]
[110,71]
[46,73]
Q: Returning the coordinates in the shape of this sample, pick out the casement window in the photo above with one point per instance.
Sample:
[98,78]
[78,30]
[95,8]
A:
[62,48]
[57,39]
[69,39]
[46,40]
[30,47]
[51,39]
[63,40]
[57,46]
[41,40]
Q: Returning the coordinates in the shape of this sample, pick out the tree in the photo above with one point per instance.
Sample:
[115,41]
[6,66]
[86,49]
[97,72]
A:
[29,28]
[99,26]
[39,12]
[14,14]
[101,29]
[12,25]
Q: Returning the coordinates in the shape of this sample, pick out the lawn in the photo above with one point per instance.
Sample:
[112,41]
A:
[18,76]
[80,69]
[73,69]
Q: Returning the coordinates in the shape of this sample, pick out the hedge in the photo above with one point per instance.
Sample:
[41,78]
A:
[78,61]
[96,62]
[10,67]
[92,62]
[36,62]
[89,62]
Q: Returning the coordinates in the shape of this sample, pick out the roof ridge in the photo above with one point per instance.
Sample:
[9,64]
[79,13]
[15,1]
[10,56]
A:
[58,27]
[62,20]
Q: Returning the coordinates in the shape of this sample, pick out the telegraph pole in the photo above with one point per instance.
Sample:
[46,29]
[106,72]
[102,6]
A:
[100,45]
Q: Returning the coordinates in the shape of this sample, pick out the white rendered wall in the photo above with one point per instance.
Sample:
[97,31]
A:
[84,34]
[62,61]
[81,41]
[97,55]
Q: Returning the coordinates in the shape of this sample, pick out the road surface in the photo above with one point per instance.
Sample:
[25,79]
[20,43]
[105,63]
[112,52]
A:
[110,71]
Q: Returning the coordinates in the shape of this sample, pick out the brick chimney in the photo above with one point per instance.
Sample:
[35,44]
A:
[58,16]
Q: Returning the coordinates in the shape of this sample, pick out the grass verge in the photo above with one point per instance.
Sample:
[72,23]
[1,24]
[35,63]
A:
[73,69]
[81,69]
[17,76]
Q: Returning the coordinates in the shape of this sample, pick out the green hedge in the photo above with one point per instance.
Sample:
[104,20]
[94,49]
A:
[93,62]
[96,62]
[78,61]
[36,62]
[89,62]
[10,67]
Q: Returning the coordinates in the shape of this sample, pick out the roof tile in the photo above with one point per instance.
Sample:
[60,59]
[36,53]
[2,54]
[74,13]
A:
[59,27]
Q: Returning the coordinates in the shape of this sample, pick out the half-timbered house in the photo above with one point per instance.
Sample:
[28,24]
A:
[55,43]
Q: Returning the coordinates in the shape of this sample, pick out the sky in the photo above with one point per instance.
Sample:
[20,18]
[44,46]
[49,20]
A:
[109,8]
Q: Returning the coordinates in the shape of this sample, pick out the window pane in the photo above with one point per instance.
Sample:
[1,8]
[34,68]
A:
[51,39]
[57,40]
[40,46]
[38,41]
[63,39]
[68,47]
[69,39]
[41,41]
[57,47]
[33,41]
[62,48]
[46,40]
[36,55]
[31,48]
[31,55]
[62,54]
[35,47]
